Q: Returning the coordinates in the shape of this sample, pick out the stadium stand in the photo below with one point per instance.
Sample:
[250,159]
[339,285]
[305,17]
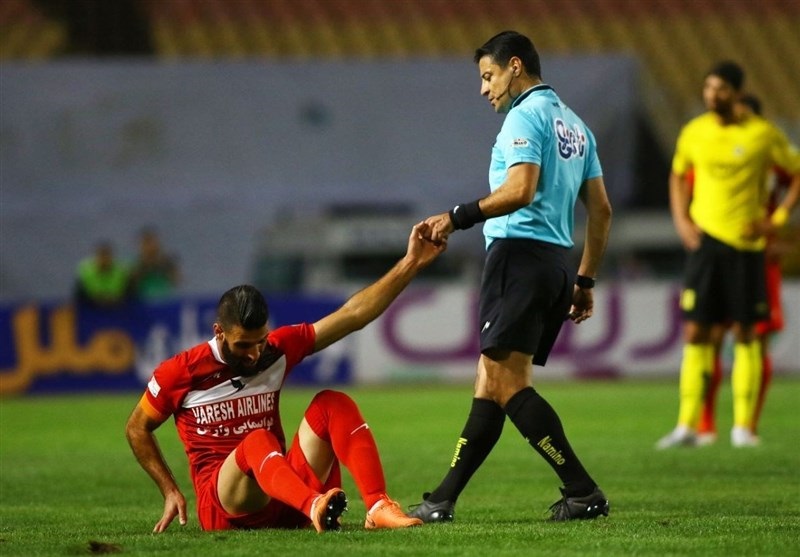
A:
[26,33]
[676,40]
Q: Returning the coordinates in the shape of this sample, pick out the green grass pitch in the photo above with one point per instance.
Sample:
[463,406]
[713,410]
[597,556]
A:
[69,484]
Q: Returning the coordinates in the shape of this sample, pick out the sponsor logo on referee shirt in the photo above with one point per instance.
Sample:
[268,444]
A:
[571,141]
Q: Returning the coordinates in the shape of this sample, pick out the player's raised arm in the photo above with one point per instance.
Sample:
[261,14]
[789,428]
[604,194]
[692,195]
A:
[367,304]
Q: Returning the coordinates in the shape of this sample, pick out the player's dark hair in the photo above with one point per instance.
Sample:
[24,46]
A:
[730,72]
[753,102]
[244,306]
[503,46]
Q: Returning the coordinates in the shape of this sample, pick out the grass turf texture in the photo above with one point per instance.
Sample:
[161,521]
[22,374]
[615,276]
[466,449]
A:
[70,486]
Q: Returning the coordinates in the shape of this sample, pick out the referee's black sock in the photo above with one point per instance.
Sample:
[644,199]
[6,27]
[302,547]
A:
[539,424]
[481,432]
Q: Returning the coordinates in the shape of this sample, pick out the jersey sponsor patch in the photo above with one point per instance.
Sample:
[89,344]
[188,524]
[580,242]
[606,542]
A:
[153,387]
[519,142]
[571,142]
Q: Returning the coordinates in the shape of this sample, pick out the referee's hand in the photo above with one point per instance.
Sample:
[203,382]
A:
[582,305]
[440,228]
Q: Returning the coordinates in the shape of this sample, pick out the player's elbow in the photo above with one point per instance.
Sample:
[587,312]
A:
[137,427]
[132,432]
[606,212]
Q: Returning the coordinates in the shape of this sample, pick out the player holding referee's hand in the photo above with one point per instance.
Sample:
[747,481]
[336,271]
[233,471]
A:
[224,397]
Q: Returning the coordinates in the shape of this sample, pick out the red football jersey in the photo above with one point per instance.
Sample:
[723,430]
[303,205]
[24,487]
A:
[215,409]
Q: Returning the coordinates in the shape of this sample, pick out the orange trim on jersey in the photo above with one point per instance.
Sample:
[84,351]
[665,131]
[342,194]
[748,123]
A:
[150,410]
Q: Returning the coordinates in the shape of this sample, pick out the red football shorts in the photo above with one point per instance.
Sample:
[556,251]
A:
[276,514]
[775,321]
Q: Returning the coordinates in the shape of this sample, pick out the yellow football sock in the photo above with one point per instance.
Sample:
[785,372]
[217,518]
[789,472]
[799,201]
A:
[695,376]
[746,380]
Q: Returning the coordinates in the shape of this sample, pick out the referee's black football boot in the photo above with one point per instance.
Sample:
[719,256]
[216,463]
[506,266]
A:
[574,508]
[428,511]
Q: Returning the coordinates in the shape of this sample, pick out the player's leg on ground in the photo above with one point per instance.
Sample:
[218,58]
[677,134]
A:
[257,471]
[333,427]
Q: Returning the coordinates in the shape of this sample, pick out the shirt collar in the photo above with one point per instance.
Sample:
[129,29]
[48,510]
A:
[529,92]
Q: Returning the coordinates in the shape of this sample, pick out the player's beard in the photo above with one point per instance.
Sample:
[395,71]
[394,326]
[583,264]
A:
[238,365]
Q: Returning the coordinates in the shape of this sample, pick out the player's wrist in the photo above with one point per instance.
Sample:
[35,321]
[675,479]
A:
[584,283]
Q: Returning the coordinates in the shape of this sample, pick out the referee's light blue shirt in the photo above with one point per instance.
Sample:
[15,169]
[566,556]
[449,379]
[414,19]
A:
[542,130]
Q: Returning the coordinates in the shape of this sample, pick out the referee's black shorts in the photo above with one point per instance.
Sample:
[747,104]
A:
[526,293]
[723,284]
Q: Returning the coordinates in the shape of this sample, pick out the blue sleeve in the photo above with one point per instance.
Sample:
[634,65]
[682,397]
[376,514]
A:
[520,139]
[593,168]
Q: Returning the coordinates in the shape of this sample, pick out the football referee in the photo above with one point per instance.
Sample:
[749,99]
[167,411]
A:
[543,161]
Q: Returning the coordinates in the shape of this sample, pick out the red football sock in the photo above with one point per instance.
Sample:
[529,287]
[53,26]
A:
[260,454]
[708,416]
[335,418]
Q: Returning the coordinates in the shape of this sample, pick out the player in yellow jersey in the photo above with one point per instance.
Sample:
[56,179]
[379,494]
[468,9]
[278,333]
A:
[779,183]
[722,224]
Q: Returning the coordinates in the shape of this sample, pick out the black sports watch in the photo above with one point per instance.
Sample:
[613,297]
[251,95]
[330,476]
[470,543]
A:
[584,282]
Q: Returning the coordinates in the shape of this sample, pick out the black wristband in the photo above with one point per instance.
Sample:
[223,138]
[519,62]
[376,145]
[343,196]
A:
[584,282]
[466,215]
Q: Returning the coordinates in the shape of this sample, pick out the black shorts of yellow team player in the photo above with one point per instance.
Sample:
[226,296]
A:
[526,293]
[723,284]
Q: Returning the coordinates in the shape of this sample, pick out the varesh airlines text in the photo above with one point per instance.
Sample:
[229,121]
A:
[232,409]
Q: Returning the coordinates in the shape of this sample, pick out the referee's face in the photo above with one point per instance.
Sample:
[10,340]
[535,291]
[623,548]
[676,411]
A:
[719,96]
[497,83]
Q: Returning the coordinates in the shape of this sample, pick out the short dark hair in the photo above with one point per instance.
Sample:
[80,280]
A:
[751,101]
[731,72]
[503,46]
[242,305]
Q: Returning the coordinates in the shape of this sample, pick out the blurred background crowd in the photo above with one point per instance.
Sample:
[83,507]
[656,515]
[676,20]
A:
[305,116]
[292,143]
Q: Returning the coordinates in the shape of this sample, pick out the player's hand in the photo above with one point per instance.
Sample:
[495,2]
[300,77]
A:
[440,227]
[421,248]
[174,505]
[757,229]
[582,305]
[690,234]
